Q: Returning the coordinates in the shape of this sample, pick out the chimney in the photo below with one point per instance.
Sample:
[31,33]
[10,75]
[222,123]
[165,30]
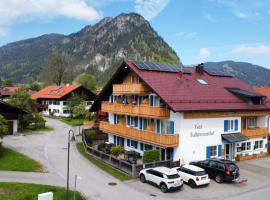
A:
[199,68]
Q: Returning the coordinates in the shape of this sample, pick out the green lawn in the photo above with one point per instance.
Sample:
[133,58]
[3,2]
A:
[32,128]
[72,121]
[102,165]
[24,191]
[15,161]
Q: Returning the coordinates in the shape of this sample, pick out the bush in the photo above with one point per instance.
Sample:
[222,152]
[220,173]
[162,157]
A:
[151,156]
[1,150]
[89,136]
[117,150]
[38,121]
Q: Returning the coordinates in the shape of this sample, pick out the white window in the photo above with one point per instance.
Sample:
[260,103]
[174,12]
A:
[246,146]
[231,125]
[213,151]
[201,81]
[251,122]
[258,144]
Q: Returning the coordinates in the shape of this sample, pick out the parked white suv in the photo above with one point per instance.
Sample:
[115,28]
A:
[193,175]
[163,177]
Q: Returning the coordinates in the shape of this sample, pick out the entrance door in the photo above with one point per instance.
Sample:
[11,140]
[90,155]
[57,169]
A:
[228,152]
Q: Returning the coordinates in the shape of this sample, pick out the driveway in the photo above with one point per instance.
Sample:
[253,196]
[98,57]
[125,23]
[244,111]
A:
[50,149]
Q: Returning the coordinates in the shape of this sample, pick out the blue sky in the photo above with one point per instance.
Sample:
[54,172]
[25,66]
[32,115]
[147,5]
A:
[198,30]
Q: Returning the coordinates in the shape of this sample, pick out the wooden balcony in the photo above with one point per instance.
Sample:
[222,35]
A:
[150,137]
[255,132]
[142,110]
[130,88]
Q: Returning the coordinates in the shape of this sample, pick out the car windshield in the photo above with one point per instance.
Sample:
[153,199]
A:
[201,173]
[173,176]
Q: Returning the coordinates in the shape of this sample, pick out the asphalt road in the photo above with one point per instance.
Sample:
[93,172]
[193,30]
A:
[50,149]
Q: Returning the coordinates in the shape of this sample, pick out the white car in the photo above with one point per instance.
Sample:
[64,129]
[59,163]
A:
[193,175]
[163,177]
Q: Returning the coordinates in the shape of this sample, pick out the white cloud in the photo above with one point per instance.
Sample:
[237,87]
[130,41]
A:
[150,8]
[24,10]
[188,35]
[241,14]
[204,54]
[252,50]
[3,32]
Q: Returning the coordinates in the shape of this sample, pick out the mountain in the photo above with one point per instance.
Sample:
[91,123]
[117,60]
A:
[254,75]
[98,49]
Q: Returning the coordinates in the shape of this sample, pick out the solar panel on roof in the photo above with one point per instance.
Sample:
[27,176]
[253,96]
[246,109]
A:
[217,72]
[152,66]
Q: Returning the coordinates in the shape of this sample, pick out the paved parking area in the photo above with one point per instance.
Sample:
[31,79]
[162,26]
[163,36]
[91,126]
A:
[256,171]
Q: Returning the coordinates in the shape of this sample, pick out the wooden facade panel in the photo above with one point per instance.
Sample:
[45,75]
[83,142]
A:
[130,88]
[135,110]
[255,132]
[162,140]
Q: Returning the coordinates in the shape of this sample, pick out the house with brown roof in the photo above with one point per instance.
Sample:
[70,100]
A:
[12,115]
[53,99]
[188,113]
[6,92]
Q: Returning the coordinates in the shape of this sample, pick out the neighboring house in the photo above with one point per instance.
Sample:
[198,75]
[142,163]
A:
[188,113]
[11,114]
[53,99]
[6,92]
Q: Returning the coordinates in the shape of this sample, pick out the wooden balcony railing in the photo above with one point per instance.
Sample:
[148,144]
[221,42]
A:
[130,88]
[142,110]
[162,140]
[255,132]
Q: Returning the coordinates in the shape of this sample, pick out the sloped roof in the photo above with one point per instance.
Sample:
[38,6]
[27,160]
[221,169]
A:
[6,108]
[54,92]
[183,92]
[7,91]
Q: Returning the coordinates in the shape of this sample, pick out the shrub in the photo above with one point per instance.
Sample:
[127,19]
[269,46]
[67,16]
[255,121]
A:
[38,121]
[151,155]
[1,150]
[117,150]
[89,136]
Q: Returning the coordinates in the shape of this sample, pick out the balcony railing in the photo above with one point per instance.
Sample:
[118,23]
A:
[130,88]
[255,132]
[162,140]
[142,110]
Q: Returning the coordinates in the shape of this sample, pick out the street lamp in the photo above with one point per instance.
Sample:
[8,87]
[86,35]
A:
[75,185]
[70,131]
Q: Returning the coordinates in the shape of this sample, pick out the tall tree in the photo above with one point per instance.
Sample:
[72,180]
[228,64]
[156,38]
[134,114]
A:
[23,100]
[3,131]
[86,80]
[58,68]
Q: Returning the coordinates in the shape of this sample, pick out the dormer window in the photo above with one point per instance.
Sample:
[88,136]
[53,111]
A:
[201,81]
[249,97]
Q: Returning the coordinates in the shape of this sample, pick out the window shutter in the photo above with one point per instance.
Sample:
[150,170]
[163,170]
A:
[115,119]
[236,124]
[141,144]
[219,150]
[136,121]
[226,125]
[151,100]
[171,127]
[114,139]
[128,142]
[208,152]
[158,126]
[140,123]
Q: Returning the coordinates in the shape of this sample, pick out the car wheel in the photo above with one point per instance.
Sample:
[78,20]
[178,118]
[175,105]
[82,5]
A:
[163,187]
[192,184]
[142,178]
[219,178]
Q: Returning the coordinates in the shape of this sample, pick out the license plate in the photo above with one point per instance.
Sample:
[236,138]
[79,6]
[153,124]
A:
[203,178]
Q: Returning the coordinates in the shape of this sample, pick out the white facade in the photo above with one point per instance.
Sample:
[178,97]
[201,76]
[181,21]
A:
[59,108]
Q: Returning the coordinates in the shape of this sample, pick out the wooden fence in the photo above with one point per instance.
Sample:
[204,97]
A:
[131,169]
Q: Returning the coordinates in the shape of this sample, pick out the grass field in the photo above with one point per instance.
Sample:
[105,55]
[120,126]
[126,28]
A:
[32,128]
[72,121]
[15,161]
[102,165]
[24,191]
